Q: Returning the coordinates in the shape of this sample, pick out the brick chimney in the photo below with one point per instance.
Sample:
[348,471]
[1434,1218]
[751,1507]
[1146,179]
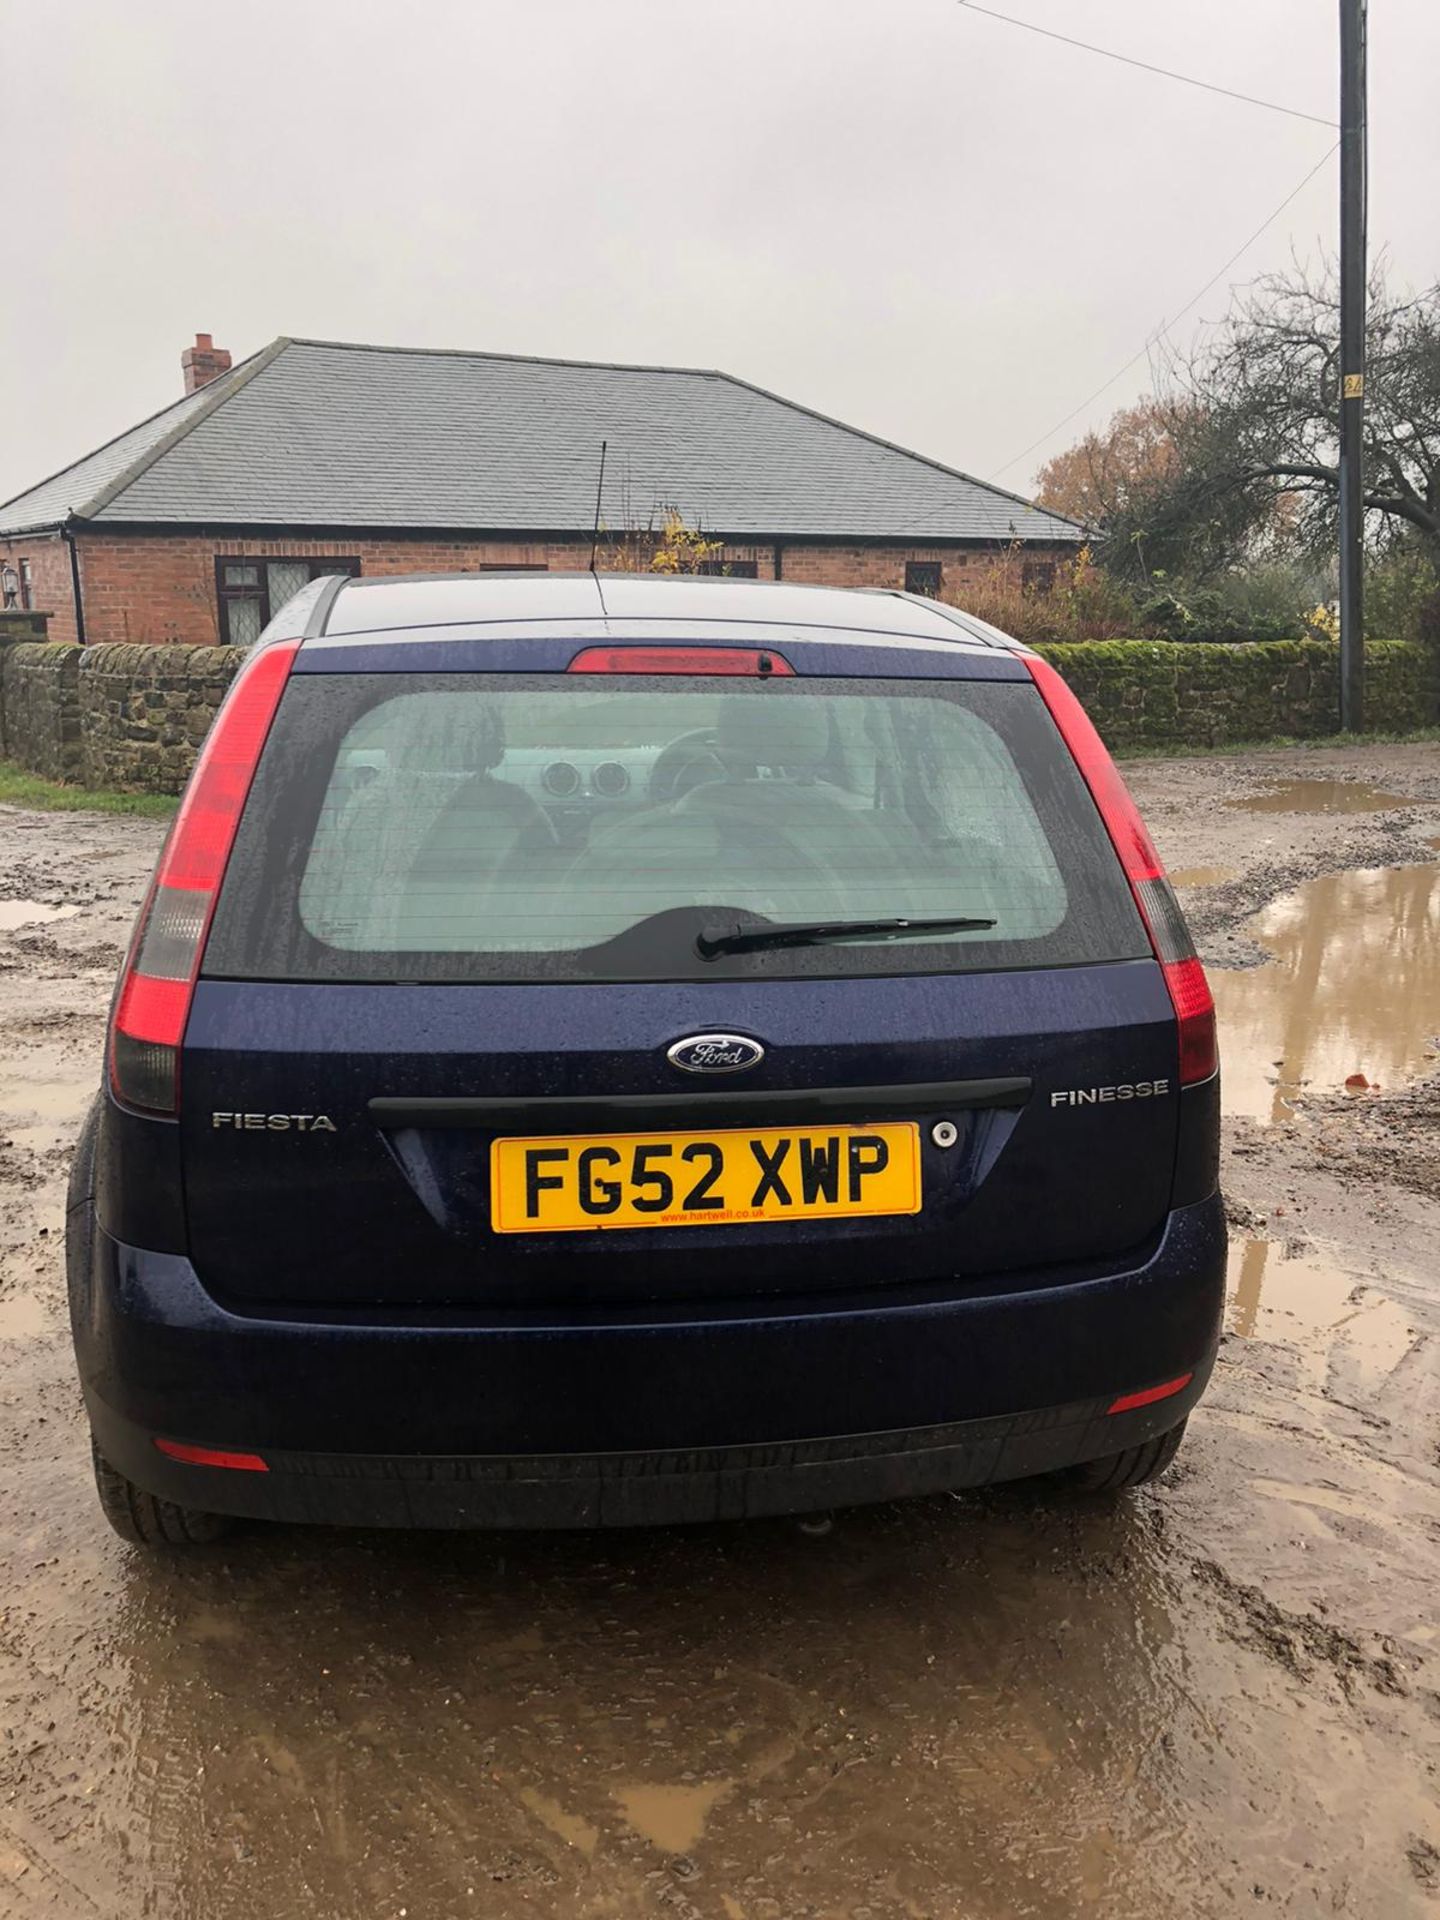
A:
[203,363]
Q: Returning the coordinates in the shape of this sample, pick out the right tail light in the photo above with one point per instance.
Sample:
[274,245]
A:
[1154,896]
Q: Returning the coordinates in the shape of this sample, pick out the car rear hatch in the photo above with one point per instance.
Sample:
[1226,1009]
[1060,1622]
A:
[561,990]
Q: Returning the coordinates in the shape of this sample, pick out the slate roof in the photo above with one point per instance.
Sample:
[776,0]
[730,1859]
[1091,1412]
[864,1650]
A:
[319,434]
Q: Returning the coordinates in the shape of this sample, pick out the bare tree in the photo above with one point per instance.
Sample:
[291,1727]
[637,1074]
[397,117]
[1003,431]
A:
[1272,380]
[1250,431]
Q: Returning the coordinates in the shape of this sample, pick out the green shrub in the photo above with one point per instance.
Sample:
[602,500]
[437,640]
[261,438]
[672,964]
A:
[1402,596]
[1273,602]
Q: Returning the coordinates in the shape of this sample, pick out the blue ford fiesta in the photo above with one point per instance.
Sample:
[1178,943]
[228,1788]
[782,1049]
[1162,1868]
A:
[610,1050]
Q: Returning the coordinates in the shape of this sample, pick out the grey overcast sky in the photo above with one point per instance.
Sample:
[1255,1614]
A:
[931,225]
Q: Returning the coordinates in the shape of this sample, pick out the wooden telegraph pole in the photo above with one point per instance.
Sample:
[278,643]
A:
[1352,363]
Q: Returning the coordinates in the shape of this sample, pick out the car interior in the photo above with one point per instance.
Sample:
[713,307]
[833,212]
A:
[448,837]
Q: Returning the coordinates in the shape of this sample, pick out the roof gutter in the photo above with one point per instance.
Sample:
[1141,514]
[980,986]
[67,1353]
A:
[67,534]
[579,536]
[38,526]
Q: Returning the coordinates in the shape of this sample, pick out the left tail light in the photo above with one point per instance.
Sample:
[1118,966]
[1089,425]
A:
[153,1001]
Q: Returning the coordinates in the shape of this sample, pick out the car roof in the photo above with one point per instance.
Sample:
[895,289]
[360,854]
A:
[628,605]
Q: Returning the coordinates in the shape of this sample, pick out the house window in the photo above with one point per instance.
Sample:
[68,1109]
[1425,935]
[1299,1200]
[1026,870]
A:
[27,587]
[1037,576]
[923,576]
[251,591]
[731,569]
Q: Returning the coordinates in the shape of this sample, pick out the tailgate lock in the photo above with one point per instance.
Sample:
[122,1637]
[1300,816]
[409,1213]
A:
[944,1133]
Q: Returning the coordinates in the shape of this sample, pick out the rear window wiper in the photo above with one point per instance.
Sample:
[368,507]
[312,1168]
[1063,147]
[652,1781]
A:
[824,933]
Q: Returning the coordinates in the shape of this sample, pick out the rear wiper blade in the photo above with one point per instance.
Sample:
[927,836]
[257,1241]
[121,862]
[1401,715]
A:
[824,933]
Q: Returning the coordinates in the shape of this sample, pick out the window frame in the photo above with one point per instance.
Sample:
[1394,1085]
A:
[932,569]
[319,565]
[27,586]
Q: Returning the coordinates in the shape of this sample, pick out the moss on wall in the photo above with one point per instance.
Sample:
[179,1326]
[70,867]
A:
[1158,693]
[134,716]
[40,707]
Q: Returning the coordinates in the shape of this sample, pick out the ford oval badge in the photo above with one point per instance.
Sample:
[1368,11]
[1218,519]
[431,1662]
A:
[715,1053]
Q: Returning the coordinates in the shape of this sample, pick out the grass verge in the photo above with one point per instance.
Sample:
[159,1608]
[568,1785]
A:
[21,789]
[1420,736]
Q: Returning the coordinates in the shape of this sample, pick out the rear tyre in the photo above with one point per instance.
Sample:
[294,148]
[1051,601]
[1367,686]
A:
[1131,1467]
[145,1520]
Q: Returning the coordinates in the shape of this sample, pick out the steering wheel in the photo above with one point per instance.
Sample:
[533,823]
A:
[688,761]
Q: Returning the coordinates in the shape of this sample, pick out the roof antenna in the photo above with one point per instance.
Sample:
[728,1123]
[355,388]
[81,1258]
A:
[599,494]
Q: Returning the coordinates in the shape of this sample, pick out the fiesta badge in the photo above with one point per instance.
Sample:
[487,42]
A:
[715,1053]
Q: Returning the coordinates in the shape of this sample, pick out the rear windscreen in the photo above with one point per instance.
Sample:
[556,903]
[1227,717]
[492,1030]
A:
[542,827]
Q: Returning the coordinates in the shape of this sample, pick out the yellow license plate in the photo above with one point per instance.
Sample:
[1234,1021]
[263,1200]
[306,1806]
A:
[719,1179]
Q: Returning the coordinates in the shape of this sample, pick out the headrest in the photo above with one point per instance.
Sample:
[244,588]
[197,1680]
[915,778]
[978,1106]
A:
[772,730]
[467,736]
[477,741]
[442,732]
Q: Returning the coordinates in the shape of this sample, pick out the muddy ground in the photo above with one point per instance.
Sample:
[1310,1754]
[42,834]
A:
[1217,1696]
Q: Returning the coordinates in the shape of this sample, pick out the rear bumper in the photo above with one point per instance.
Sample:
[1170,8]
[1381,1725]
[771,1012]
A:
[595,1421]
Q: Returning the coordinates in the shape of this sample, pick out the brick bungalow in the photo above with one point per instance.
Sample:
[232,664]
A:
[314,457]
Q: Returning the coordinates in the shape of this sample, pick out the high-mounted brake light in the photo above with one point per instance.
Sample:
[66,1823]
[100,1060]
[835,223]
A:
[153,1002]
[1159,909]
[750,660]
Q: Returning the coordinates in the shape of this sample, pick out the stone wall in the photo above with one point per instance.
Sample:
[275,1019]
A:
[144,711]
[40,702]
[133,716]
[1155,693]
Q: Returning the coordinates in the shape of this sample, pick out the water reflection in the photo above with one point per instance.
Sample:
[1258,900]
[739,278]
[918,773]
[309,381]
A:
[1323,796]
[952,1700]
[1354,987]
[1276,1295]
[1337,1324]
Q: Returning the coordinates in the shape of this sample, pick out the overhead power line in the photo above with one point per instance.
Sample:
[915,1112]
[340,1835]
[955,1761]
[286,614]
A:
[1179,314]
[1145,66]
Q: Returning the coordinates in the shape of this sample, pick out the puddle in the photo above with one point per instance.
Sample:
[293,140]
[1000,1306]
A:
[56,1101]
[1203,876]
[569,1827]
[22,1317]
[31,913]
[1354,988]
[672,1818]
[1328,1499]
[1323,796]
[1308,1301]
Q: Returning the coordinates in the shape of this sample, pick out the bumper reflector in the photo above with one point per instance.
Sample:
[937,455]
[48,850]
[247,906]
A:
[1129,1401]
[211,1457]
